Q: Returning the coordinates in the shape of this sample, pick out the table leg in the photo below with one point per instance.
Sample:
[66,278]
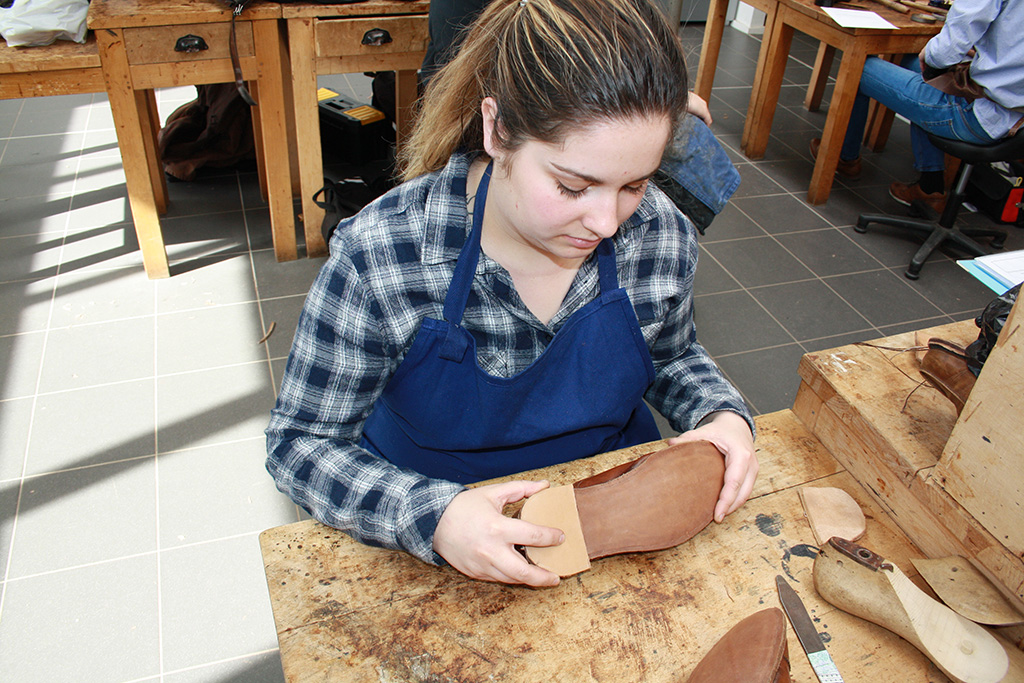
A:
[307,130]
[764,97]
[819,78]
[257,137]
[274,131]
[850,69]
[406,91]
[146,101]
[713,30]
[132,127]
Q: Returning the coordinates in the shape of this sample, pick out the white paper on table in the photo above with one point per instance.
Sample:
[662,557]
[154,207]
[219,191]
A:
[857,18]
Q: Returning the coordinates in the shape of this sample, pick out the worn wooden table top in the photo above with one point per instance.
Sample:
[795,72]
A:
[349,612]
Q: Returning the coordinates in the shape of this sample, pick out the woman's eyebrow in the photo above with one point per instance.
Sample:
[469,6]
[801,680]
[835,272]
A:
[592,179]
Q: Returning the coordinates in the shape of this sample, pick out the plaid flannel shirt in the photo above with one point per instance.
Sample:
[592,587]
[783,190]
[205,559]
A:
[390,267]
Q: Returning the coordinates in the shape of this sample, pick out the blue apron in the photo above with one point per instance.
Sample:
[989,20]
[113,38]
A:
[444,417]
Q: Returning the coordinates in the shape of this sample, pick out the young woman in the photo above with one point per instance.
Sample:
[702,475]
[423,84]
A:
[512,304]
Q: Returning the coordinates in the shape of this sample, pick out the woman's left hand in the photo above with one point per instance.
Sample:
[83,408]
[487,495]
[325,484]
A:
[731,436]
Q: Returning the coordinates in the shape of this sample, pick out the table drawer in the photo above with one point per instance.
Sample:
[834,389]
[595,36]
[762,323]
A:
[344,37]
[163,44]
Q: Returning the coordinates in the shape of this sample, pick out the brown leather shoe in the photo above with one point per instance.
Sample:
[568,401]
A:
[655,502]
[945,367]
[753,651]
[905,194]
[847,169]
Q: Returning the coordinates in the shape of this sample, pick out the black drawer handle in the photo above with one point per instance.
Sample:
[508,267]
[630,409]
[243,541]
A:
[376,36]
[191,43]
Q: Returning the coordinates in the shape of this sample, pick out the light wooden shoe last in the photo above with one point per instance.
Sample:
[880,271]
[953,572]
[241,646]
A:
[655,502]
[858,581]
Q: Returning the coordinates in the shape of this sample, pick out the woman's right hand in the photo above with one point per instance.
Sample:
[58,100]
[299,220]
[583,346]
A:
[477,539]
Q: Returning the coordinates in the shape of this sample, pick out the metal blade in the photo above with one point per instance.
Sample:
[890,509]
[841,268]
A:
[820,660]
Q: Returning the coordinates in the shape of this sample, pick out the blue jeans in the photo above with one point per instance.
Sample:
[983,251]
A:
[902,89]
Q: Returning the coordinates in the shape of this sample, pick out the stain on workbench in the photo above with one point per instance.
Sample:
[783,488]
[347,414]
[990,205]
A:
[769,525]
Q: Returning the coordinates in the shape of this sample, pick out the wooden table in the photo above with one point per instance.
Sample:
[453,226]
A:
[137,40]
[328,39]
[855,44]
[350,612]
[61,68]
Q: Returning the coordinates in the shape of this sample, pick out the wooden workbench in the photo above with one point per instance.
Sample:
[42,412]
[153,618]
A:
[349,612]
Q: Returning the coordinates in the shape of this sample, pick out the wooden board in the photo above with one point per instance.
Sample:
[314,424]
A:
[865,405]
[349,612]
[981,466]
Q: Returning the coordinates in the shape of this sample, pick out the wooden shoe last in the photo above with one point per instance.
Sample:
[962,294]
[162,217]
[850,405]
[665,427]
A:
[858,581]
[655,502]
[753,651]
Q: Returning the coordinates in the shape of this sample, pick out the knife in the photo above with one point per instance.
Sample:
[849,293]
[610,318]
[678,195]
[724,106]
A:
[820,660]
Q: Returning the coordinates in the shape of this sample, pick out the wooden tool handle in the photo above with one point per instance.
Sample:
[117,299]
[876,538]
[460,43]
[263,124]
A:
[892,4]
[924,7]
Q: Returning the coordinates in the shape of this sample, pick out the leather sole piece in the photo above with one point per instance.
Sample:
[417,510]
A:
[753,651]
[653,503]
[863,584]
[945,368]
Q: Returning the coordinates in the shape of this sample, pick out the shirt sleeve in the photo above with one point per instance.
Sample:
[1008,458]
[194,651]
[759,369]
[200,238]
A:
[339,364]
[688,384]
[966,22]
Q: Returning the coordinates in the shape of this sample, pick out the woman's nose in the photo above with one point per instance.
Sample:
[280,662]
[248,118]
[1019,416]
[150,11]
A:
[603,217]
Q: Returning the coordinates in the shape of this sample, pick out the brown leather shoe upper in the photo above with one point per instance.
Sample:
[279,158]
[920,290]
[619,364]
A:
[850,170]
[945,368]
[753,651]
[905,194]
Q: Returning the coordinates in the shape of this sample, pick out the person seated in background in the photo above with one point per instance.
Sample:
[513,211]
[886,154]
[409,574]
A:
[986,32]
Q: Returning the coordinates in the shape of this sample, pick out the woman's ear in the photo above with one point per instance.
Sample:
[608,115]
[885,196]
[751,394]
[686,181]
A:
[489,112]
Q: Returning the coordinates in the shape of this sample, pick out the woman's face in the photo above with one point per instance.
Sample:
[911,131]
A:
[562,199]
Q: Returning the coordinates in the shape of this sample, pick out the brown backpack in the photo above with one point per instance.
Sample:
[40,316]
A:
[214,130]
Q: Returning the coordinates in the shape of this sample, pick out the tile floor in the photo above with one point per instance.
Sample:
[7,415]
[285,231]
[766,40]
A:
[132,487]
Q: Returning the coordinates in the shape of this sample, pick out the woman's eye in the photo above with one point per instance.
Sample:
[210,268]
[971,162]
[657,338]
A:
[569,192]
[636,189]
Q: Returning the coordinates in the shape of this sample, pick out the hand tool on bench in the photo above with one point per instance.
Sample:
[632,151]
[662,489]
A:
[824,668]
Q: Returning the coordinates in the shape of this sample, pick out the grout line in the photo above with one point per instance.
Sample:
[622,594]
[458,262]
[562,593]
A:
[156,490]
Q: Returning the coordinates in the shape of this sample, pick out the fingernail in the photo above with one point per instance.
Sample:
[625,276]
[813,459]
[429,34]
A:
[561,538]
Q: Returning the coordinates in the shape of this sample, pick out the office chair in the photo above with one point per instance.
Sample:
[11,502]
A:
[942,231]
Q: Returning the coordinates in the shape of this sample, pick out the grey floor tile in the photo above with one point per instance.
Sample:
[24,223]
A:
[882,297]
[40,165]
[211,282]
[215,194]
[756,183]
[209,234]
[15,423]
[767,377]
[112,422]
[731,223]
[29,257]
[914,325]
[284,312]
[714,317]
[97,296]
[215,604]
[712,278]
[20,358]
[98,172]
[8,510]
[284,279]
[104,618]
[245,501]
[794,175]
[24,216]
[261,668]
[99,513]
[105,207]
[893,248]
[758,261]
[105,247]
[213,407]
[88,355]
[44,115]
[829,252]
[781,214]
[809,309]
[951,288]
[25,305]
[825,343]
[209,338]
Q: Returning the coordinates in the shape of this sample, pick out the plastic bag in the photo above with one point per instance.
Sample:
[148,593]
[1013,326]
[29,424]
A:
[990,322]
[40,22]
